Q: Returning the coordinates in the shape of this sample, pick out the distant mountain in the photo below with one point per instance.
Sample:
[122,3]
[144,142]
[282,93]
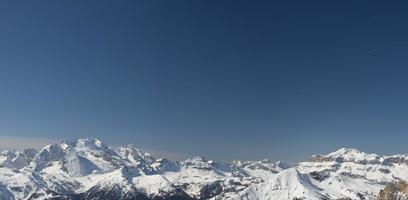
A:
[89,169]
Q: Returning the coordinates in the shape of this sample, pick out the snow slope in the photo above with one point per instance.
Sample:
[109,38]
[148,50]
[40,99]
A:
[89,169]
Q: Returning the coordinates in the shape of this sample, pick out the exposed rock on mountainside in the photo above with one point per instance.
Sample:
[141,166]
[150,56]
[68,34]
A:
[89,169]
[394,191]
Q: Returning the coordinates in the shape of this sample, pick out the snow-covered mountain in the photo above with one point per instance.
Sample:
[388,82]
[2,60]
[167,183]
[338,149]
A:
[90,169]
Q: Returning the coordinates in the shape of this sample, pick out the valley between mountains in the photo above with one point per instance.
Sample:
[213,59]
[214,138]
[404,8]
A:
[87,169]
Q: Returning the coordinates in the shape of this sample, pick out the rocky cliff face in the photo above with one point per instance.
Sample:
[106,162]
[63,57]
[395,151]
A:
[394,191]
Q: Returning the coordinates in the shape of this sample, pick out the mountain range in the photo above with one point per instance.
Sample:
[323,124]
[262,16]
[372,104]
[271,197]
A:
[87,169]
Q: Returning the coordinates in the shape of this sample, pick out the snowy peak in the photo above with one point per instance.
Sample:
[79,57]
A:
[288,184]
[353,155]
[90,142]
[89,169]
[23,158]
[16,159]
[79,157]
[202,163]
[163,165]
[356,156]
[348,155]
[293,184]
[30,152]
[262,165]
[46,155]
[198,163]
[134,155]
[88,145]
[76,165]
[86,156]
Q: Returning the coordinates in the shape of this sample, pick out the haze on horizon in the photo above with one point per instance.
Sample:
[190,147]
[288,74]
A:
[226,80]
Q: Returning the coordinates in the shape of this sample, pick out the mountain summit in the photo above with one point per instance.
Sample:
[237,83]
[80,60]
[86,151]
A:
[89,169]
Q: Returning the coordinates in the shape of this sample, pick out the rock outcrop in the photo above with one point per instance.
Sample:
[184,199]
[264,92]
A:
[394,191]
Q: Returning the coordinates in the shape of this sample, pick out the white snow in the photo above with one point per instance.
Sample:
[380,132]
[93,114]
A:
[77,166]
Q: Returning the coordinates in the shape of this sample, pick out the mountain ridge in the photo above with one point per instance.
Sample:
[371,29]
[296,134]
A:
[87,168]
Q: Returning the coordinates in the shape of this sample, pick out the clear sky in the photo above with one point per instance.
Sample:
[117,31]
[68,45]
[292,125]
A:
[223,79]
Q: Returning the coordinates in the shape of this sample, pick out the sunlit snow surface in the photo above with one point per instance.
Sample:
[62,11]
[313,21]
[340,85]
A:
[87,167]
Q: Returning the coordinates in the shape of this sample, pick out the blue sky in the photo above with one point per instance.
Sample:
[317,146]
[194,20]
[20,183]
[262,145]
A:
[227,80]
